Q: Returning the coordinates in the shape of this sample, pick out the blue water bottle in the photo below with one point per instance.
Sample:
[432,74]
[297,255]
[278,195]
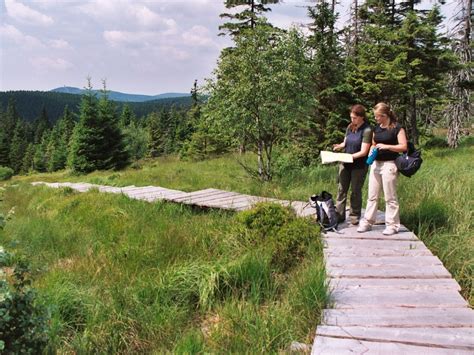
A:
[372,156]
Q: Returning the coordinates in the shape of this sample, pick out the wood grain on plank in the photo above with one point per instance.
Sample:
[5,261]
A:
[398,284]
[401,317]
[451,338]
[377,298]
[332,346]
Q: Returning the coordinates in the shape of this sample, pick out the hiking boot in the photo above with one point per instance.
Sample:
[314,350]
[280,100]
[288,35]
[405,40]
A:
[364,227]
[354,221]
[389,231]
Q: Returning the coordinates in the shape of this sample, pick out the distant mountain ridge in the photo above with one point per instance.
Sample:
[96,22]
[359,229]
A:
[120,96]
[29,104]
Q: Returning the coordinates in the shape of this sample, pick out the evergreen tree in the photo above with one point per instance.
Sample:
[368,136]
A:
[127,116]
[41,125]
[155,136]
[190,121]
[66,124]
[136,140]
[87,135]
[18,147]
[331,93]
[27,163]
[4,148]
[112,146]
[247,18]
[56,150]
[41,156]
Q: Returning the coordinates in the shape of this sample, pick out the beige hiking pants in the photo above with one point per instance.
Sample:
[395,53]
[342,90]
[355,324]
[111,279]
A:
[383,175]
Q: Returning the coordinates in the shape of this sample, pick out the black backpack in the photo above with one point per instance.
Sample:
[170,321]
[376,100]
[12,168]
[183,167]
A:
[326,214]
[409,162]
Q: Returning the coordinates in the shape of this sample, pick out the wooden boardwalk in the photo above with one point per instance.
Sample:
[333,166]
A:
[390,294]
[208,198]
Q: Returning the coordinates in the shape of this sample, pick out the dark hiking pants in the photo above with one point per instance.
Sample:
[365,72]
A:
[353,178]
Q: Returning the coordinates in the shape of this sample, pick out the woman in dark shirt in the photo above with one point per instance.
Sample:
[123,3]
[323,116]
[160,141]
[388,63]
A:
[356,142]
[390,140]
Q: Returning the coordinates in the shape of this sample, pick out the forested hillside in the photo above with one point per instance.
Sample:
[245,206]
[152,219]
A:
[29,104]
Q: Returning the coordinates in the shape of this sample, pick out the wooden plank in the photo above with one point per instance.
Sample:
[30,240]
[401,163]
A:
[373,244]
[400,317]
[199,193]
[244,202]
[374,234]
[389,271]
[370,298]
[361,252]
[398,284]
[331,346]
[165,195]
[209,198]
[150,189]
[450,338]
[110,189]
[344,261]
[83,187]
[133,188]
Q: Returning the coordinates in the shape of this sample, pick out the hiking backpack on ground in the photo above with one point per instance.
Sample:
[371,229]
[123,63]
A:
[326,214]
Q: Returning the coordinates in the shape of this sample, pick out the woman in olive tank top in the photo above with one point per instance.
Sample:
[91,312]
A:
[390,140]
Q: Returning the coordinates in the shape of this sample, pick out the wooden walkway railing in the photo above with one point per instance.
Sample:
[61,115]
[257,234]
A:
[390,294]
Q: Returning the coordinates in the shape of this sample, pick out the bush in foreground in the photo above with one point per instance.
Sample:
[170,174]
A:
[5,173]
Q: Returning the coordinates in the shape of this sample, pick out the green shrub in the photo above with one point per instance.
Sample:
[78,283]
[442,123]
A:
[23,322]
[5,173]
[265,219]
[291,242]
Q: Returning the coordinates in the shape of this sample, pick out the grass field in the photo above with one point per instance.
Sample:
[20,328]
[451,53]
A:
[121,275]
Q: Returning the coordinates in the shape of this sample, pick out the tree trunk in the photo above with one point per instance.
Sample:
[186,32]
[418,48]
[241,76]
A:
[414,134]
[459,111]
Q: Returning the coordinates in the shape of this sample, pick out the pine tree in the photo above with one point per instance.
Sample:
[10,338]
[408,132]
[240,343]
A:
[114,154]
[41,125]
[87,136]
[56,151]
[27,163]
[18,147]
[155,136]
[328,86]
[247,18]
[41,156]
[127,116]
[4,148]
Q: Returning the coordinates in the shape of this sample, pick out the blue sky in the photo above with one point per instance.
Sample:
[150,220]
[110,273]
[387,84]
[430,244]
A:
[138,46]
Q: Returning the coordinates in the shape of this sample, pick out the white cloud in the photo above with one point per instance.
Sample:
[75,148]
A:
[11,33]
[23,13]
[198,36]
[59,44]
[51,63]
[127,14]
[129,38]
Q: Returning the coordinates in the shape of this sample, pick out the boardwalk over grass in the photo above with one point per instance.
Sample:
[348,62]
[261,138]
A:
[390,294]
